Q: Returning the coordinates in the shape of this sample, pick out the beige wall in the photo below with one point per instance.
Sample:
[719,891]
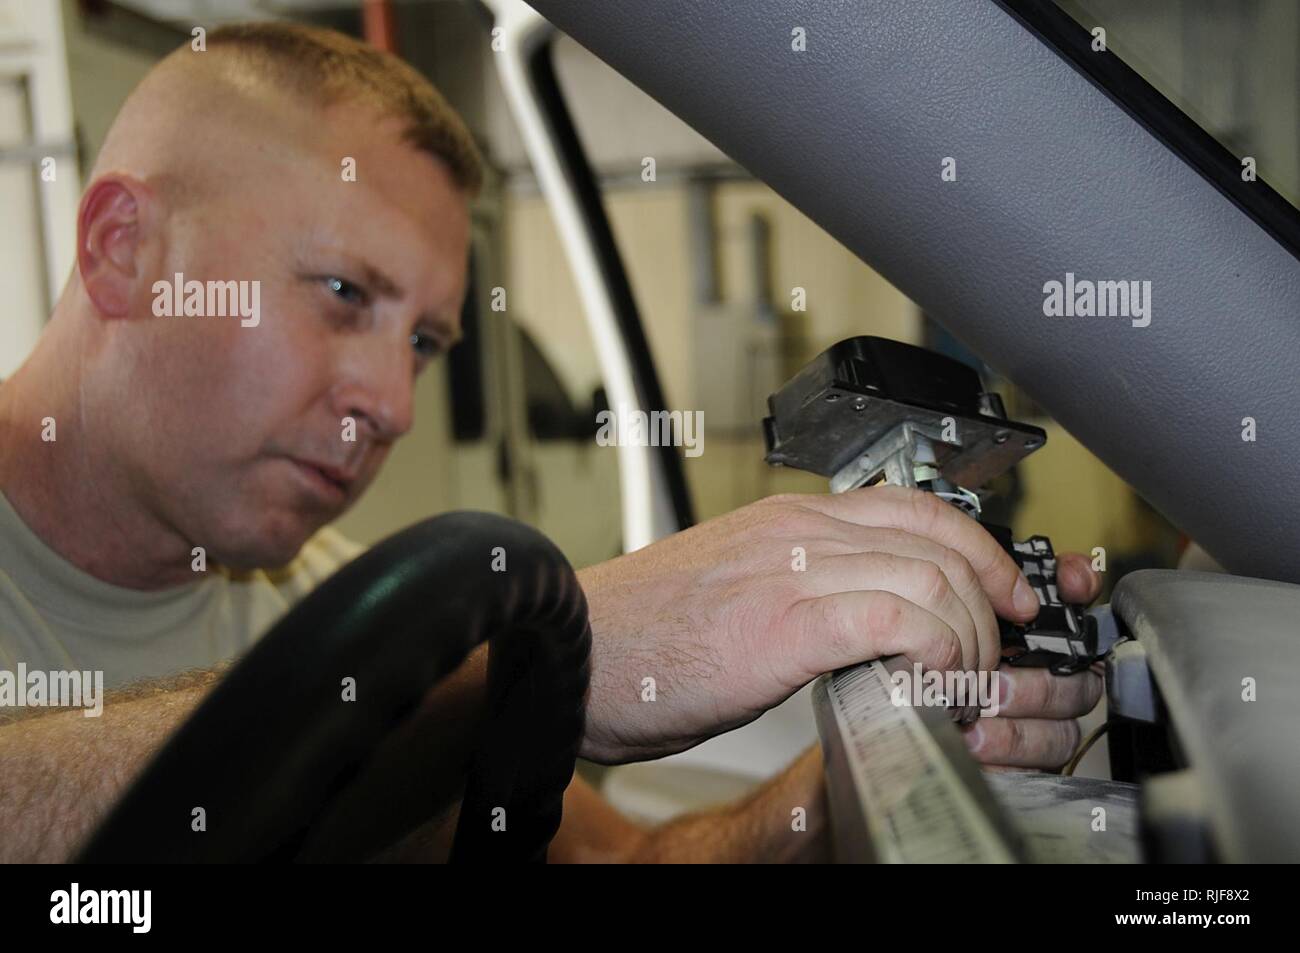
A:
[23,282]
[101,75]
[1075,499]
[36,118]
[650,225]
[844,296]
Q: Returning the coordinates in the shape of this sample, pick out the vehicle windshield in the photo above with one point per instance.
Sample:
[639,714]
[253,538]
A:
[1232,66]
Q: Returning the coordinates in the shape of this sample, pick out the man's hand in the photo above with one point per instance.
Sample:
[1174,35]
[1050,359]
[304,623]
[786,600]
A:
[705,630]
[1035,726]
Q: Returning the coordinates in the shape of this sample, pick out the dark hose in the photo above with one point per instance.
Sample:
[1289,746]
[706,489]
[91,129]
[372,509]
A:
[269,749]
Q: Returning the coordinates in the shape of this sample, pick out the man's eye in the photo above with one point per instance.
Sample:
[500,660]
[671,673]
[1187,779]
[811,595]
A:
[426,345]
[346,290]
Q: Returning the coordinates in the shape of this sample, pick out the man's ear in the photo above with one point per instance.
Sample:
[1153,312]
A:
[111,227]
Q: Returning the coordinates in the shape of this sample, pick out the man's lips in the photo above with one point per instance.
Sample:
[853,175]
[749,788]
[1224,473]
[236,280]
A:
[330,481]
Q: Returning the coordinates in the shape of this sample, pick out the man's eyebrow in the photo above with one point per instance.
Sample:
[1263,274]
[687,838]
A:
[451,331]
[388,288]
[379,281]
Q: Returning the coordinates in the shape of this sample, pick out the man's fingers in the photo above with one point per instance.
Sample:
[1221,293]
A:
[926,515]
[1023,742]
[955,595]
[845,628]
[1037,693]
[1076,579]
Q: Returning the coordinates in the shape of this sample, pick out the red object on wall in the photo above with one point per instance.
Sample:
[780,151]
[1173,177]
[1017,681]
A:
[379,24]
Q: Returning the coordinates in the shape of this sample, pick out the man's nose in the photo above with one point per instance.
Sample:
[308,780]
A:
[378,391]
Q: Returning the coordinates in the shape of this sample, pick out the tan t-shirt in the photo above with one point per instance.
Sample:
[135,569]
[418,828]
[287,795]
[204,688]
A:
[54,616]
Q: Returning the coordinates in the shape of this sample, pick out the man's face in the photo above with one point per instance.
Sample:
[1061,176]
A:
[241,437]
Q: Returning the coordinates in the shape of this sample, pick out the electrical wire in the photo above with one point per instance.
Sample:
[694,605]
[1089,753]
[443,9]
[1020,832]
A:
[1088,742]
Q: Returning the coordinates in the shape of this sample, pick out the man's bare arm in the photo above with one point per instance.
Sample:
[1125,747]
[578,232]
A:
[761,828]
[765,827]
[60,772]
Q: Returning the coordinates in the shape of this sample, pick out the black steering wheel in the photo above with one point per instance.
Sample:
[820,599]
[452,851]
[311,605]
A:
[270,751]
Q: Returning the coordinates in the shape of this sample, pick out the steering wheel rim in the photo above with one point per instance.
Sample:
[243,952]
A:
[270,748]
